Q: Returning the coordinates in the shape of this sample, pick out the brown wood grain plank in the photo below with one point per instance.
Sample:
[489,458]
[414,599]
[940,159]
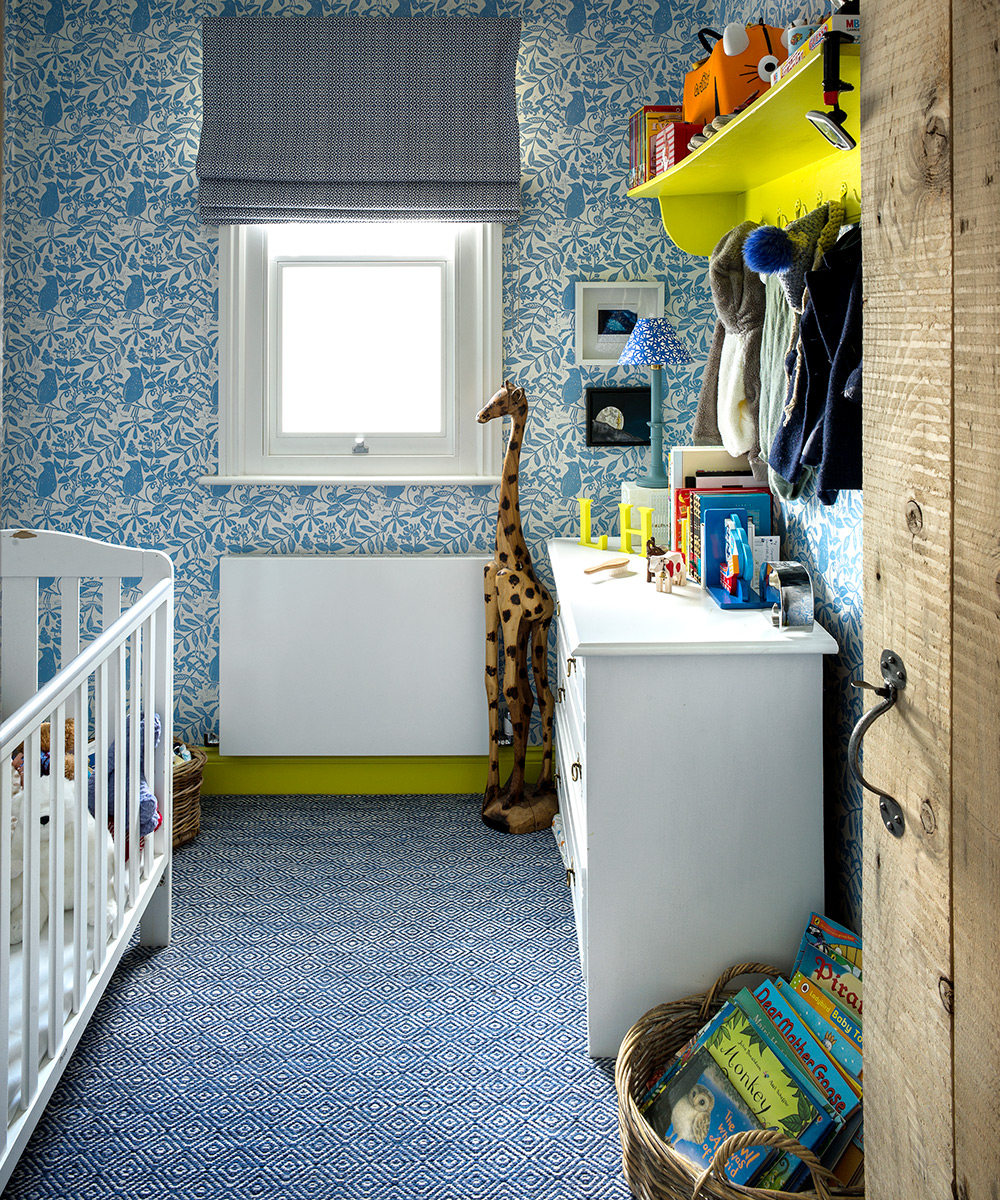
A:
[906,223]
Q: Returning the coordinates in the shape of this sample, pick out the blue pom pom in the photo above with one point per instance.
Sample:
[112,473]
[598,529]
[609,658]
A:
[768,250]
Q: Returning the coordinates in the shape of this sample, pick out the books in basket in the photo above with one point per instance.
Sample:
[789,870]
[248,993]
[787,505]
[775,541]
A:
[841,1047]
[765,1078]
[699,1108]
[792,1057]
[835,1013]
[832,938]
[840,1092]
[838,978]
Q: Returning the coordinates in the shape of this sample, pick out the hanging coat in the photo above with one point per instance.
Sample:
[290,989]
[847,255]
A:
[822,426]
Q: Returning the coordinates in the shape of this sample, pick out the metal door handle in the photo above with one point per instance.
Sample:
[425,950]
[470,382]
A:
[576,770]
[570,664]
[894,675]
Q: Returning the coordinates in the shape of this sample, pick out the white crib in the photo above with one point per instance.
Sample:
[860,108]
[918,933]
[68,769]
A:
[103,615]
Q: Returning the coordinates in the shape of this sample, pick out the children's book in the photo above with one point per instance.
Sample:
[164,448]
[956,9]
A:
[685,462]
[682,1055]
[681,509]
[706,558]
[698,1109]
[766,1082]
[850,1166]
[835,1013]
[643,125]
[836,977]
[747,1003]
[832,1038]
[833,939]
[841,1092]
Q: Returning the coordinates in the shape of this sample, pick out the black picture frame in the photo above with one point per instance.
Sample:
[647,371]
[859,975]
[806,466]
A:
[631,402]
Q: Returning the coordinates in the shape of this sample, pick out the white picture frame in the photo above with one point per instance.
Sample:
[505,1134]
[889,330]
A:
[606,309]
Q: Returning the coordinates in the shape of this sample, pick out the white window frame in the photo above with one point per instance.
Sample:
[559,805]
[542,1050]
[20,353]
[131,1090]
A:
[469,453]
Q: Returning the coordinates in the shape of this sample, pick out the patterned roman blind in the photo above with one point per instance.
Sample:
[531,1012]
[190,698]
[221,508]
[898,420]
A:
[359,119]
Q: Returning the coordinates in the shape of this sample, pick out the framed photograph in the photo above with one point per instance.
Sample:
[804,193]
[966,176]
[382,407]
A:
[606,313]
[617,416]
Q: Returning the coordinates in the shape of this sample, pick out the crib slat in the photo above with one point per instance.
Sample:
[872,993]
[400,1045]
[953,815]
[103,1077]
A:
[69,595]
[81,882]
[30,953]
[135,756]
[111,599]
[155,928]
[121,780]
[19,647]
[101,739]
[57,876]
[6,809]
[148,706]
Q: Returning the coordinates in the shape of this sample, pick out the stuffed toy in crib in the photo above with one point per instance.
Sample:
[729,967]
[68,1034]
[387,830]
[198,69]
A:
[45,737]
[150,817]
[63,790]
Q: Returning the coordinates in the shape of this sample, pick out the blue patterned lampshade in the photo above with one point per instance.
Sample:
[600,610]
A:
[654,342]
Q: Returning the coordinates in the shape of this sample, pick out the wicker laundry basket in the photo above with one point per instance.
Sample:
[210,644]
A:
[187,796]
[654,1170]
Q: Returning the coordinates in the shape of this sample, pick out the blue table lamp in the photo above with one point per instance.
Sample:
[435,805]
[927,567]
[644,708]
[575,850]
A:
[654,343]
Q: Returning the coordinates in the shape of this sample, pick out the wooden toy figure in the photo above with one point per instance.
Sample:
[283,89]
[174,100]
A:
[518,612]
[653,552]
[664,582]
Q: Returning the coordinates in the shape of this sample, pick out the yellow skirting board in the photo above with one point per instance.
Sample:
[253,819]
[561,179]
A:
[226,775]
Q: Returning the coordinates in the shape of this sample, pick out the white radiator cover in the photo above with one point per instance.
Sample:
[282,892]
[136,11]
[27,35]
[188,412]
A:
[352,655]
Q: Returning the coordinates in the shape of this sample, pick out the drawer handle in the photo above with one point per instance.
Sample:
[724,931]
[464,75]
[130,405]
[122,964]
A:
[558,608]
[570,664]
[562,694]
[576,770]
[570,876]
[556,777]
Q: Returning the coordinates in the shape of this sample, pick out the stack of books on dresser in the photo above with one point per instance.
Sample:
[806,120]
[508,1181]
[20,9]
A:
[703,478]
[785,1056]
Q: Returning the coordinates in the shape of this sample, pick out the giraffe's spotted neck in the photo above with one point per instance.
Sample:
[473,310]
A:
[511,548]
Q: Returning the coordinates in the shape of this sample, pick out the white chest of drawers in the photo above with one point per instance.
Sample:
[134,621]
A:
[689,756]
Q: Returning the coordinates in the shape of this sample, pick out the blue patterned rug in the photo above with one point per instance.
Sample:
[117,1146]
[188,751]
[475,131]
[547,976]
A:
[365,997]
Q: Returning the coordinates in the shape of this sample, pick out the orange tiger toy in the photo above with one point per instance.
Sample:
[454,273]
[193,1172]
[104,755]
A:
[738,69]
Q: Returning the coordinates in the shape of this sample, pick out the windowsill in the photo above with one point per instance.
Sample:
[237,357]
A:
[350,480]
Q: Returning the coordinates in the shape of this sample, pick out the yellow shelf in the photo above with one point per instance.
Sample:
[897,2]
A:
[764,162]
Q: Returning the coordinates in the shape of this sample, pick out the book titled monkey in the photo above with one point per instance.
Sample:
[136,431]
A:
[765,1080]
[698,1109]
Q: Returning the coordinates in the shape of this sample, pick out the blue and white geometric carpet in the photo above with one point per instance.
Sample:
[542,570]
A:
[365,998]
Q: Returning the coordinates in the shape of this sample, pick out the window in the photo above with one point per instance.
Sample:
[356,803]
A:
[359,351]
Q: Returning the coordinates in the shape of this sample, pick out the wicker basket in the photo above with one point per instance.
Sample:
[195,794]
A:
[654,1170]
[187,797]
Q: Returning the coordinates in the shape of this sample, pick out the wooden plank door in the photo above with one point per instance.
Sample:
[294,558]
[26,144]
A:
[930,160]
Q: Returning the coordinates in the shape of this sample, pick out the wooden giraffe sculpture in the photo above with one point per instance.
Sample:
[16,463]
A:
[519,609]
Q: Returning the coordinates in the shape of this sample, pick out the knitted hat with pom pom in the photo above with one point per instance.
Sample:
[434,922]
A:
[794,250]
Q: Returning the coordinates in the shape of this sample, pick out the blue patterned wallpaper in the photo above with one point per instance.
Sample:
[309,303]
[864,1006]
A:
[110,323]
